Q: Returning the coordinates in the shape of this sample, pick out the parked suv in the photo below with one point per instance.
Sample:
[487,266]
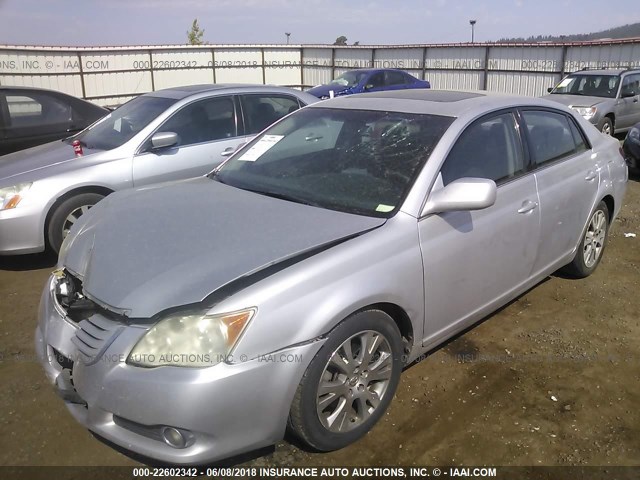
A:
[610,99]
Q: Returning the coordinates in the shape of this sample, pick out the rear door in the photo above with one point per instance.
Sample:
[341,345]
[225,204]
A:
[208,132]
[474,260]
[567,177]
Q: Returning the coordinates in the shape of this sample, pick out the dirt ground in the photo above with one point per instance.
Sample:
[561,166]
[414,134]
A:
[552,379]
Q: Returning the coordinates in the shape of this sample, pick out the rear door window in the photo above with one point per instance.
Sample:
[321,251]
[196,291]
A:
[260,111]
[550,136]
[37,109]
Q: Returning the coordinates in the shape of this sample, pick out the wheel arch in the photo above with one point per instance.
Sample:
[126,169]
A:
[610,203]
[99,189]
[399,317]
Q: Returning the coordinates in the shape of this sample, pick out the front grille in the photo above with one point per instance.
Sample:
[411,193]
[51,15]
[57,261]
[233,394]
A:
[94,336]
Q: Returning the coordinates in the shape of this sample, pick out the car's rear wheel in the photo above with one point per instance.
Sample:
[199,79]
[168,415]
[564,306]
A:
[606,126]
[349,383]
[66,214]
[592,244]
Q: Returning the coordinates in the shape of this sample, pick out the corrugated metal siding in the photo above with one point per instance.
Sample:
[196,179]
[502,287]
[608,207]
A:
[117,84]
[357,58]
[454,79]
[603,56]
[458,58]
[401,58]
[312,76]
[283,75]
[239,75]
[118,72]
[187,76]
[532,84]
[538,59]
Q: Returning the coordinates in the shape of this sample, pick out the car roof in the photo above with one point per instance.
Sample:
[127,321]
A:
[435,102]
[374,70]
[606,71]
[185,91]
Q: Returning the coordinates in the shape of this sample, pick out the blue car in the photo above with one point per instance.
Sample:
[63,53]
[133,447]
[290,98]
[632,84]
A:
[368,80]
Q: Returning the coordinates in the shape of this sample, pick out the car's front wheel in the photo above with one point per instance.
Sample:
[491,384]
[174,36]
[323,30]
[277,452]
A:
[349,383]
[592,244]
[606,126]
[66,214]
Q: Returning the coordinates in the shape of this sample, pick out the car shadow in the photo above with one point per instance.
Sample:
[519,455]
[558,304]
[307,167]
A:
[21,263]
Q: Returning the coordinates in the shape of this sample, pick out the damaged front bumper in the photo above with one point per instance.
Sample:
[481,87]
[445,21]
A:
[216,412]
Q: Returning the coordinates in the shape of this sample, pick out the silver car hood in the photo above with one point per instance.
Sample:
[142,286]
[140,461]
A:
[139,252]
[38,158]
[576,100]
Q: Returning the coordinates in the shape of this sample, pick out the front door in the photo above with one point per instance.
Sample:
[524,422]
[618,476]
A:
[475,261]
[207,133]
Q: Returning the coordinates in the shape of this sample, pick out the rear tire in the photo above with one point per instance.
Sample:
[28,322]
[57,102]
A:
[346,390]
[592,243]
[66,214]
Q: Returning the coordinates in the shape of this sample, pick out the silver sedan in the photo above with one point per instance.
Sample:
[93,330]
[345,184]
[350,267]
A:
[166,135]
[197,320]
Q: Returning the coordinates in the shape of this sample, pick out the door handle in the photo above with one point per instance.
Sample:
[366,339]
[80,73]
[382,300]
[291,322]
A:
[227,151]
[591,175]
[527,206]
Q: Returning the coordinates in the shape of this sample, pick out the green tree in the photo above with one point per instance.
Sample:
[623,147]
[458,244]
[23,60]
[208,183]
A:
[195,34]
[355,44]
[341,40]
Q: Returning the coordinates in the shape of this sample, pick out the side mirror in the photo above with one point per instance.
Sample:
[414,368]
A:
[368,86]
[462,195]
[628,93]
[550,89]
[164,140]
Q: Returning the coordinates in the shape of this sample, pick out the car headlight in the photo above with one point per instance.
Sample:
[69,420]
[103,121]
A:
[11,196]
[634,133]
[190,340]
[586,112]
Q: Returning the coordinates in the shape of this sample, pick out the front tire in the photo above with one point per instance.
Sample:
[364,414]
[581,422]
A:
[606,126]
[589,252]
[66,214]
[350,382]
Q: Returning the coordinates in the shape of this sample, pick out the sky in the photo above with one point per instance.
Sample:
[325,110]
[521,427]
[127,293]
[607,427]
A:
[162,22]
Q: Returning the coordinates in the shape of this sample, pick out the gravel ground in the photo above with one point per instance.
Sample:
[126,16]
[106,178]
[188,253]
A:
[552,379]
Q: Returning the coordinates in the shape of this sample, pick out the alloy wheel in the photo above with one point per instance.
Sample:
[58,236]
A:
[72,218]
[594,238]
[354,381]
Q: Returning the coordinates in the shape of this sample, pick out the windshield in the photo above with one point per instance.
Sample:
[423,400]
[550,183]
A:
[589,85]
[123,123]
[355,161]
[348,79]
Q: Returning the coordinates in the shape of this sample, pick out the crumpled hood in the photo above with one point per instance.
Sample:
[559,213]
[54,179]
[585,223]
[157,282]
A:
[142,251]
[576,100]
[38,158]
[323,90]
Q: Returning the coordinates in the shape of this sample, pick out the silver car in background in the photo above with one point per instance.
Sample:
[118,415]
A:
[197,320]
[166,135]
